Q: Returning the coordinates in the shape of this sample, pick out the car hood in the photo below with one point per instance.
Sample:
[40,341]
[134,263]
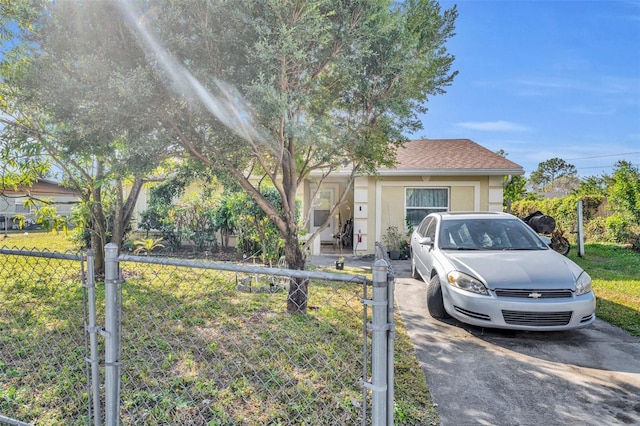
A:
[530,269]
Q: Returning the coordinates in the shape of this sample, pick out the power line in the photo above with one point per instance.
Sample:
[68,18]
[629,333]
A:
[595,167]
[603,156]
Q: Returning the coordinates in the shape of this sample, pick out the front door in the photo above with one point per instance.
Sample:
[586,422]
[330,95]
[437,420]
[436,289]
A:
[321,209]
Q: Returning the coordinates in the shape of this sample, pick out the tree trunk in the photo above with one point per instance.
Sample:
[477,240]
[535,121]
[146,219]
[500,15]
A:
[297,299]
[124,210]
[97,245]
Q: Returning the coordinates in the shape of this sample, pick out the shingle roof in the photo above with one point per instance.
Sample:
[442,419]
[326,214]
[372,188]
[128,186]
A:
[448,156]
[46,188]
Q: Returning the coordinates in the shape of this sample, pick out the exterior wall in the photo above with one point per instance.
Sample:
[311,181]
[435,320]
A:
[371,218]
[364,214]
[142,204]
[466,193]
[495,193]
[7,205]
[462,198]
[10,206]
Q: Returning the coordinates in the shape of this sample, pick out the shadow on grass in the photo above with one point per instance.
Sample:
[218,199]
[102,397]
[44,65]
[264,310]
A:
[619,315]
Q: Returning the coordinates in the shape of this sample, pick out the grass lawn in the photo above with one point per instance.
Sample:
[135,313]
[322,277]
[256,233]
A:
[615,271]
[194,348]
[40,241]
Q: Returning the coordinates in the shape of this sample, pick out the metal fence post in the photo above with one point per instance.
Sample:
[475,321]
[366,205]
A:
[391,280]
[379,328]
[580,229]
[112,332]
[93,329]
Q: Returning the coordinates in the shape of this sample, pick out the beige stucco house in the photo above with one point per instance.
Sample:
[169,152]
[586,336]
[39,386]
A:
[430,175]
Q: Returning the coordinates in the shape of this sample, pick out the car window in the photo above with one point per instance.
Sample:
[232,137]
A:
[431,230]
[487,234]
[423,226]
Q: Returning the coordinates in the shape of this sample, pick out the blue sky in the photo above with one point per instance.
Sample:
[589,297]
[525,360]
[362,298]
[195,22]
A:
[545,79]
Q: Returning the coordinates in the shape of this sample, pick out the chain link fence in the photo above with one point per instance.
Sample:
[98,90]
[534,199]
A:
[213,344]
[43,373]
[192,343]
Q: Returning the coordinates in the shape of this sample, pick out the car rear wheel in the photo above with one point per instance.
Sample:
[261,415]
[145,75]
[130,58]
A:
[435,304]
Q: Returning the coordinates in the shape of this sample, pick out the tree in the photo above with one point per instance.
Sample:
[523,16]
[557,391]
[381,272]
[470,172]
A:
[515,187]
[593,186]
[86,100]
[514,190]
[624,193]
[159,213]
[256,234]
[263,92]
[272,91]
[16,19]
[18,168]
[548,172]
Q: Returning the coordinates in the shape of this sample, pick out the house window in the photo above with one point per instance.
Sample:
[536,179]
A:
[422,201]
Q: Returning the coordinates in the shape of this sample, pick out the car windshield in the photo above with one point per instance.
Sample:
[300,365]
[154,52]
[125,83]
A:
[487,234]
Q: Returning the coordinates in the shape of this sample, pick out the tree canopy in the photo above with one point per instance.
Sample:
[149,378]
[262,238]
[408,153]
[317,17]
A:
[273,91]
[550,172]
[80,93]
[625,190]
[18,168]
[262,92]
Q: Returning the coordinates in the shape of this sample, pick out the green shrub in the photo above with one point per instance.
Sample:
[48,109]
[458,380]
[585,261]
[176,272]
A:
[617,228]
[596,230]
[634,238]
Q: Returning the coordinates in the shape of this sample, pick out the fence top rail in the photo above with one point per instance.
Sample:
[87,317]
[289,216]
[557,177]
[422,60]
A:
[12,422]
[233,267]
[47,254]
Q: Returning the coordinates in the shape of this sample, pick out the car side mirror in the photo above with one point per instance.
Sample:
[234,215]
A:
[545,239]
[426,241]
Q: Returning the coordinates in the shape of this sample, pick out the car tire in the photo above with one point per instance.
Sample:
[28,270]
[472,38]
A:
[435,303]
[414,271]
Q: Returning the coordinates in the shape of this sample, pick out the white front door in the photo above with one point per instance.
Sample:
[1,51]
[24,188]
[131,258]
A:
[321,208]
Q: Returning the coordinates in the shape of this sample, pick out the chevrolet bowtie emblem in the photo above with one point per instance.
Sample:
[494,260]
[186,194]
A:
[535,295]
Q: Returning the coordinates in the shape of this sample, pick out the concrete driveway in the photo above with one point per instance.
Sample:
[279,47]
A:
[490,377]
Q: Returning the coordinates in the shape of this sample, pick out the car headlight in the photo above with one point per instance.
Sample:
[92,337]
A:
[467,282]
[583,284]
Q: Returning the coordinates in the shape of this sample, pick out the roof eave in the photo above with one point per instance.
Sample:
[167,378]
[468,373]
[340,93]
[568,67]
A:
[451,172]
[432,172]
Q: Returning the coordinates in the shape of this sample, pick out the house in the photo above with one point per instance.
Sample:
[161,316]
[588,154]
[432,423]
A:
[430,175]
[12,201]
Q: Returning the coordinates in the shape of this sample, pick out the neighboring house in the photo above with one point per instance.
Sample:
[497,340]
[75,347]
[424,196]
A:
[12,202]
[430,175]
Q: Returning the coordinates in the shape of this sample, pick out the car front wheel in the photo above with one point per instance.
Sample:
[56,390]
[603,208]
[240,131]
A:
[435,303]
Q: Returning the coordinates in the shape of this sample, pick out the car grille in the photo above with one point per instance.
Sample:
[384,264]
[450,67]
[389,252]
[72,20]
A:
[531,294]
[537,319]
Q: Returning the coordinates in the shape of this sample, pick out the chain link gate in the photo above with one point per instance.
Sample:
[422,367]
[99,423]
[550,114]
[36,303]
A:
[44,375]
[212,343]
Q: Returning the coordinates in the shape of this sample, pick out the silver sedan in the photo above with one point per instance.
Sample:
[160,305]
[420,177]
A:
[490,269]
